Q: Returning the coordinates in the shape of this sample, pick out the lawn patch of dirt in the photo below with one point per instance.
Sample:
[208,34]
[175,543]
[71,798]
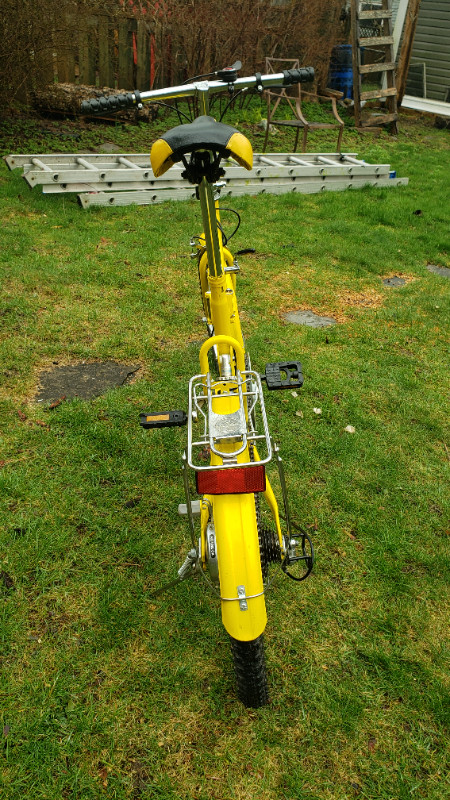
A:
[82,380]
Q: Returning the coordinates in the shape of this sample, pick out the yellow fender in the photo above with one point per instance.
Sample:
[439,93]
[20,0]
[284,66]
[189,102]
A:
[239,565]
[241,585]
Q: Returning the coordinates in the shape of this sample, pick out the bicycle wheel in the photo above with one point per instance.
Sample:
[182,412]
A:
[250,670]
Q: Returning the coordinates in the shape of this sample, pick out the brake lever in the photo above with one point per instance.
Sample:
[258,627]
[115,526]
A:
[229,74]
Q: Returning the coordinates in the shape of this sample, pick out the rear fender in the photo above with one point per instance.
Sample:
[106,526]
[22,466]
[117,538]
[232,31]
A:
[239,565]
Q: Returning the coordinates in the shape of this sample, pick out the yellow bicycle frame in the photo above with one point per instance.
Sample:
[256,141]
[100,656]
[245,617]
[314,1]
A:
[235,517]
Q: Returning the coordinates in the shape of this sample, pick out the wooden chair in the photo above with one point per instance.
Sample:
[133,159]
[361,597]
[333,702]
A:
[277,96]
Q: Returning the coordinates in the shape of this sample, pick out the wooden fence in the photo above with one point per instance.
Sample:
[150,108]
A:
[159,46]
[124,53]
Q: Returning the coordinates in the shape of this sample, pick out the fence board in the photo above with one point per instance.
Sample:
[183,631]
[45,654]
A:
[143,57]
[86,52]
[125,77]
[65,54]
[105,55]
[44,67]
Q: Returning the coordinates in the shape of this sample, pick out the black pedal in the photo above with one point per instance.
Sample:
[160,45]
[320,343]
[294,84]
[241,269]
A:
[162,419]
[284,375]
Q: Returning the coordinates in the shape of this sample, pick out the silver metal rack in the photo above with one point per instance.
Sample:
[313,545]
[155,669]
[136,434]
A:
[218,431]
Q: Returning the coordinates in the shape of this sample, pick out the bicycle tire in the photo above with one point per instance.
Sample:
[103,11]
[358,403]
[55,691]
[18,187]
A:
[250,671]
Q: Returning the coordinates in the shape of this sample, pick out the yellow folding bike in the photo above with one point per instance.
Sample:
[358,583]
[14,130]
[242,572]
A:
[233,546]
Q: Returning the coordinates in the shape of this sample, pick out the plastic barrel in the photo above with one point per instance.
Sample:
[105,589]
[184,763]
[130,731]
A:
[341,70]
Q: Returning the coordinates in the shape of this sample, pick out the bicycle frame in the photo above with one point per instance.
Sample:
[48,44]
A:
[234,515]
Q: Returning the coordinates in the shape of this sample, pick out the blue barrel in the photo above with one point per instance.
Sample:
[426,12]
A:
[341,70]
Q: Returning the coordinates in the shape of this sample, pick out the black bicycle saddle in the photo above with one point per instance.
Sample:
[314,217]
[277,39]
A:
[202,134]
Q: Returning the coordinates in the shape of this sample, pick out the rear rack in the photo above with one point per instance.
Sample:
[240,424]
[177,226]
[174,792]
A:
[227,435]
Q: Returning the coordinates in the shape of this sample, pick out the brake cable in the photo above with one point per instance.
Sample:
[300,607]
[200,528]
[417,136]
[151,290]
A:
[172,108]
[227,238]
[198,78]
[232,99]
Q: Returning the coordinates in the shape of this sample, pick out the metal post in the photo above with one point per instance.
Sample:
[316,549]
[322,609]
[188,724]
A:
[203,97]
[208,207]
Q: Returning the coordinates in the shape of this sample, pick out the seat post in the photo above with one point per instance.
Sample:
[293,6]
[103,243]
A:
[209,218]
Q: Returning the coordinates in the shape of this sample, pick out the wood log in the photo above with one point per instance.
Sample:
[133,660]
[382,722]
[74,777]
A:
[66,98]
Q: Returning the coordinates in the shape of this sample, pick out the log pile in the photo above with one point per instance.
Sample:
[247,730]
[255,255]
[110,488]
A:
[66,98]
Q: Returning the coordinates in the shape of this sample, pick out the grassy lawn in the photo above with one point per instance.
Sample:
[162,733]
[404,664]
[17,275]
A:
[109,693]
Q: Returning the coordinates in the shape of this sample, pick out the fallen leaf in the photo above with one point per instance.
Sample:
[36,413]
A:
[21,415]
[41,423]
[203,455]
[104,777]
[299,414]
[104,242]
[350,429]
[371,744]
[57,403]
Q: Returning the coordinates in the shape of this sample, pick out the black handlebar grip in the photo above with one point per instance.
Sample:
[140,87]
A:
[302,75]
[115,102]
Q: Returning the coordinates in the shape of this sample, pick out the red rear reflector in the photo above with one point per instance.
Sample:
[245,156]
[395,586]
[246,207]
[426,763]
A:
[232,480]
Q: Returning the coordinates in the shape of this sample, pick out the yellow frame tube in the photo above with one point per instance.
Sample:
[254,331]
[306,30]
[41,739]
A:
[218,340]
[218,287]
[234,516]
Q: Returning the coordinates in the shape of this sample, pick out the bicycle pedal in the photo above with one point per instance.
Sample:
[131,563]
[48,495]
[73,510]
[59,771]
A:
[284,375]
[162,419]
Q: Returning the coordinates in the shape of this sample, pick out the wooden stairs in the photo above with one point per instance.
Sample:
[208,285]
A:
[373,54]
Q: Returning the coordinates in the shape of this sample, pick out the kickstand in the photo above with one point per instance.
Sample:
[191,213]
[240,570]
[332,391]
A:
[187,570]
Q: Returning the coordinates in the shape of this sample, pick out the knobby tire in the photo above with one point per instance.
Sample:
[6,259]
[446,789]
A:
[250,670]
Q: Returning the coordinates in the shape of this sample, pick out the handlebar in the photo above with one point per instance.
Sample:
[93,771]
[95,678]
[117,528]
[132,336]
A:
[114,102]
[118,102]
[301,75]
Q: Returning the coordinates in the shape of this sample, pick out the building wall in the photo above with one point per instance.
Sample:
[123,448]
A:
[432,46]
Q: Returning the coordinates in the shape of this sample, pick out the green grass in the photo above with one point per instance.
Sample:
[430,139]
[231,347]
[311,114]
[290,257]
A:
[107,692]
